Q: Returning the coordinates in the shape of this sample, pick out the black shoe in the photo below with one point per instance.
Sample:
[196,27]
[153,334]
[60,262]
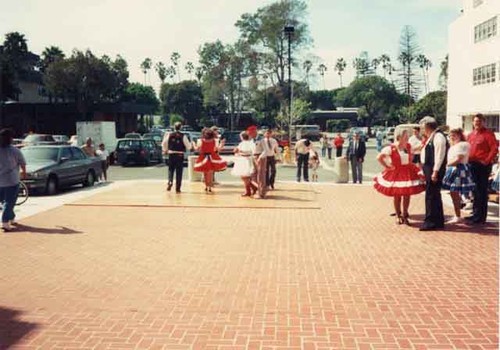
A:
[427,228]
[470,218]
[477,221]
[177,191]
[169,186]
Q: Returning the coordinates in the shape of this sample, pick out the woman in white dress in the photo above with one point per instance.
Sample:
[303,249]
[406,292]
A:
[243,164]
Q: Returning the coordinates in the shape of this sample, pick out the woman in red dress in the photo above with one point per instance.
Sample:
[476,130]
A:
[400,179]
[209,160]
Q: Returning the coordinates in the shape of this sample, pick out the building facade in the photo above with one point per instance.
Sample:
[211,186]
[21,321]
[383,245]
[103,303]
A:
[474,65]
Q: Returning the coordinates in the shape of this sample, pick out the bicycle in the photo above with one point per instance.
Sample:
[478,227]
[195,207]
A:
[23,194]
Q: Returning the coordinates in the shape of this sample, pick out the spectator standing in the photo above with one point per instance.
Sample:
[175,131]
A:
[12,170]
[338,142]
[356,152]
[458,178]
[88,148]
[323,141]
[302,148]
[483,150]
[433,165]
[272,151]
[174,145]
[103,155]
[329,147]
[379,136]
[416,143]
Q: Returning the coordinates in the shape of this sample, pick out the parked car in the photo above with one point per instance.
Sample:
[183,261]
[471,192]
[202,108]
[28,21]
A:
[155,136]
[390,134]
[188,152]
[133,135]
[186,128]
[231,141]
[61,138]
[38,139]
[137,151]
[50,168]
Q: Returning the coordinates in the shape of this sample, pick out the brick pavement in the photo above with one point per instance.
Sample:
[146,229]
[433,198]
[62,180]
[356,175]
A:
[342,277]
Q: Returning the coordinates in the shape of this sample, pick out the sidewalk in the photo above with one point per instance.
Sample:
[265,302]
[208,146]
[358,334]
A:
[134,267]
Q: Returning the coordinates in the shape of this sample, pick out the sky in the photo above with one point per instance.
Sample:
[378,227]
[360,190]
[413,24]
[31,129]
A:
[156,28]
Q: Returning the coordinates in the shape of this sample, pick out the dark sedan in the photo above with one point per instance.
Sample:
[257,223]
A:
[137,152]
[50,168]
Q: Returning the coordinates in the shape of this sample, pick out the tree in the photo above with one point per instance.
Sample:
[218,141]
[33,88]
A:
[424,63]
[15,50]
[387,67]
[307,66]
[50,55]
[434,104]
[322,69]
[362,65]
[184,98]
[322,99]
[263,31]
[175,58]
[301,109]
[145,67]
[340,67]
[161,69]
[375,64]
[141,94]
[408,53]
[199,74]
[189,67]
[375,94]
[443,74]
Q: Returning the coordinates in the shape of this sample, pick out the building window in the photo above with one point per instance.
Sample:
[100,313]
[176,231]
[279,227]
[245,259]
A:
[485,74]
[486,30]
[477,2]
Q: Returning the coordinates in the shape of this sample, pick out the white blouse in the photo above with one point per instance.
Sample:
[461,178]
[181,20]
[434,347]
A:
[246,148]
[386,151]
[459,149]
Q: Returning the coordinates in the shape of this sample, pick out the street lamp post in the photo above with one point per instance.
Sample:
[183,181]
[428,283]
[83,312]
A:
[289,30]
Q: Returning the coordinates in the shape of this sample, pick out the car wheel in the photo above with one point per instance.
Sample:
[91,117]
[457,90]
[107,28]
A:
[52,187]
[89,179]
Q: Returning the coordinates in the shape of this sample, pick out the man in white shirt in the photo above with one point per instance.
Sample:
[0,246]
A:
[302,148]
[433,157]
[174,145]
[271,152]
[415,142]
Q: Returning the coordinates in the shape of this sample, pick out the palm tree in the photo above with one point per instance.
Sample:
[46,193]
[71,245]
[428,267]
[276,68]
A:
[199,74]
[171,71]
[340,68]
[189,67]
[385,60]
[424,63]
[174,58]
[307,66]
[375,64]
[161,69]
[50,55]
[145,67]
[322,69]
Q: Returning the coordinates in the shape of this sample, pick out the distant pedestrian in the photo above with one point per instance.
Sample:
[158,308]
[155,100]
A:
[88,148]
[458,177]
[314,164]
[355,154]
[329,147]
[416,143]
[103,155]
[12,170]
[323,141]
[271,152]
[302,148]
[379,136]
[483,151]
[174,145]
[209,160]
[400,178]
[339,144]
[244,165]
[433,166]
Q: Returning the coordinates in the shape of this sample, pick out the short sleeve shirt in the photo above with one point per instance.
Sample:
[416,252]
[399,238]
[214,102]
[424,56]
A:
[459,149]
[11,159]
[386,151]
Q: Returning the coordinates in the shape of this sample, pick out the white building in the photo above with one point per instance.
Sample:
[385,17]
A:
[474,65]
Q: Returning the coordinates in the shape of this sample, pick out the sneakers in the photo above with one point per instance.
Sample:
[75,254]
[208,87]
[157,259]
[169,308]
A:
[454,220]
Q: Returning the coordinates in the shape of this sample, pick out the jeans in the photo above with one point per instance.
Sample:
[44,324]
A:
[323,152]
[8,196]
[357,170]
[480,174]
[303,166]
[175,164]
[329,153]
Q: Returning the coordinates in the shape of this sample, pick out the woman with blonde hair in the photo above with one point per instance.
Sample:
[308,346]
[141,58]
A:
[458,177]
[400,178]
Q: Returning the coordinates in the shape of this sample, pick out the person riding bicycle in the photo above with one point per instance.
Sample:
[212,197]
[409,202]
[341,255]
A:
[11,160]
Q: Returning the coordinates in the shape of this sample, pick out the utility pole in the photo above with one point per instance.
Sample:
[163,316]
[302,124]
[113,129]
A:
[289,30]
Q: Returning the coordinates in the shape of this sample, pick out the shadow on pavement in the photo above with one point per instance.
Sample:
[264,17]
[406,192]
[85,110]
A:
[488,229]
[58,230]
[11,329]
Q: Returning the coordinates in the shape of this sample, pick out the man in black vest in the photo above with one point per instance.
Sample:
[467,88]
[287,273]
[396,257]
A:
[433,158]
[174,145]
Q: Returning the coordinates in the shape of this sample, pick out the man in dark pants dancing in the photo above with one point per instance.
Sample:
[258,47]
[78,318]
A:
[483,150]
[302,148]
[174,145]
[433,159]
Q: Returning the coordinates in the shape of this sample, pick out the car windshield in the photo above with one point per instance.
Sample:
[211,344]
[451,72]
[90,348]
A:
[36,154]
[129,144]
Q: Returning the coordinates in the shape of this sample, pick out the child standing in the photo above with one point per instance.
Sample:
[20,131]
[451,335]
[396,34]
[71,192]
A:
[314,164]
[458,178]
[103,155]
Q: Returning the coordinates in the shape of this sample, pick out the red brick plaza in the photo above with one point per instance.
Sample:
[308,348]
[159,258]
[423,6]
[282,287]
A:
[315,267]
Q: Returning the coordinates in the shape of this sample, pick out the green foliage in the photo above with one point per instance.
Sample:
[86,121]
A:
[433,104]
[362,65]
[443,74]
[50,55]
[408,52]
[301,110]
[141,94]
[161,70]
[322,99]
[184,98]
[339,125]
[174,118]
